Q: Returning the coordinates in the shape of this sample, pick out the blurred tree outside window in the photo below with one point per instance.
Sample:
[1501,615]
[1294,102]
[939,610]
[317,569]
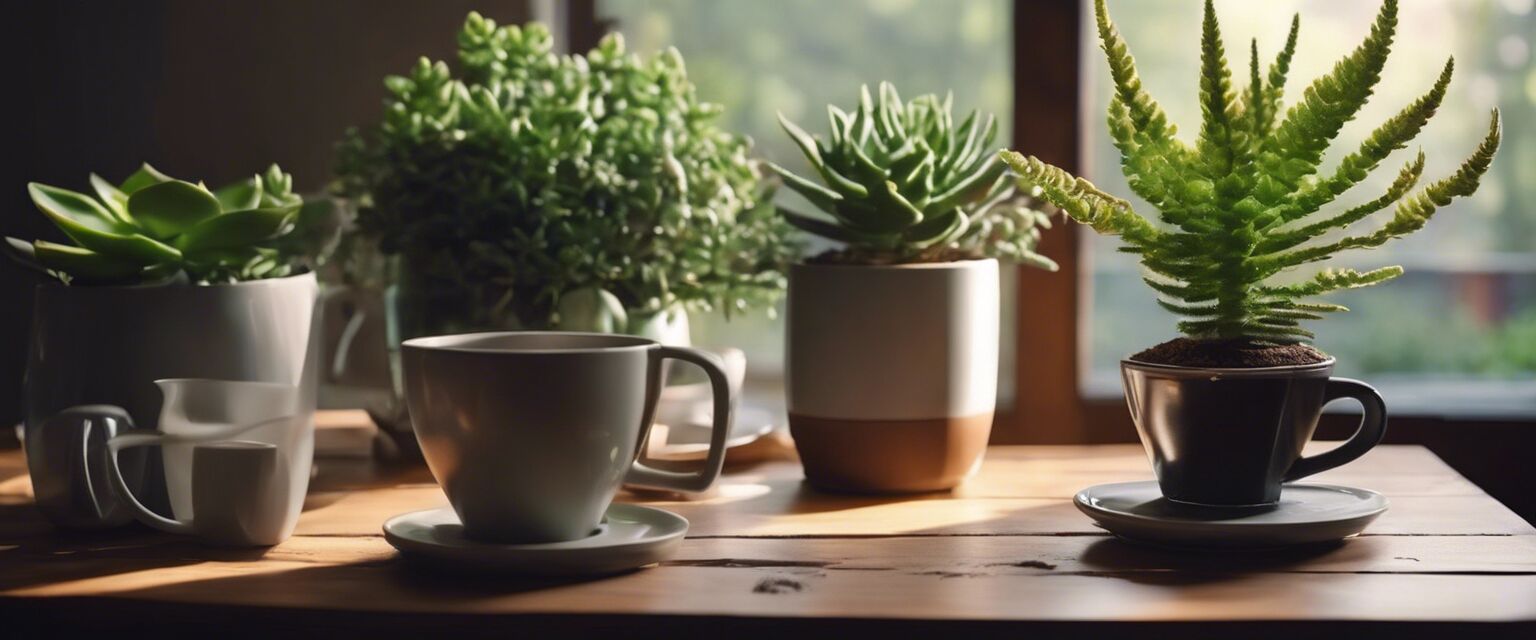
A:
[1457,333]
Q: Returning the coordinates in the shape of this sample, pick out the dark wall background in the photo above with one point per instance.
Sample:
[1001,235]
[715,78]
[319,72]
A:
[203,90]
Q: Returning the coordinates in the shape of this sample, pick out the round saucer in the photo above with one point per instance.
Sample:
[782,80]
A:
[689,439]
[630,537]
[1306,514]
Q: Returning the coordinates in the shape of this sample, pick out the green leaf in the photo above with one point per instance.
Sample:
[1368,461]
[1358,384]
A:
[145,176]
[936,229]
[169,209]
[816,226]
[83,263]
[1220,145]
[1293,152]
[116,201]
[1082,201]
[22,253]
[1274,86]
[236,229]
[69,209]
[245,194]
[824,198]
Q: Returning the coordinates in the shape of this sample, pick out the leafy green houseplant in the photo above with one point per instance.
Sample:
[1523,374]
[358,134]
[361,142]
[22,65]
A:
[154,228]
[893,338]
[1240,210]
[580,192]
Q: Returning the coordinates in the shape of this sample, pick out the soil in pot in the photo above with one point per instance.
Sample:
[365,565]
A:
[867,258]
[1229,354]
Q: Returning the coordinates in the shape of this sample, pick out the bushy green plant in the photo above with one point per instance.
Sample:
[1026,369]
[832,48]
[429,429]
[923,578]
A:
[155,228]
[545,176]
[902,182]
[1241,206]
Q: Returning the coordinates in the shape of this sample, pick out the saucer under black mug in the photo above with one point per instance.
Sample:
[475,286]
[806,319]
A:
[1304,514]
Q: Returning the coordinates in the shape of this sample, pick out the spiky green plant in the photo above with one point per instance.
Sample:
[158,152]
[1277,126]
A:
[155,228]
[901,182]
[1241,205]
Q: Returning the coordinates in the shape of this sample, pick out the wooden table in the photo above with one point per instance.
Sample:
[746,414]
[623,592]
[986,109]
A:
[767,556]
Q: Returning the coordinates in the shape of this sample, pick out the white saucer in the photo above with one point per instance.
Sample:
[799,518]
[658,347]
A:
[630,537]
[1306,514]
[688,439]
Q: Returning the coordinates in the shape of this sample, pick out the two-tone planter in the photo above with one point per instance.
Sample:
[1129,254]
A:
[892,373]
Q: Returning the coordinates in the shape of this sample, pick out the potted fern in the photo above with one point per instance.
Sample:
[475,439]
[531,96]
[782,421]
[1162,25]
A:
[893,337]
[160,278]
[1225,409]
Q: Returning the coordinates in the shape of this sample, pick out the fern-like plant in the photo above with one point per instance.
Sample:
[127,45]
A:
[904,182]
[1242,204]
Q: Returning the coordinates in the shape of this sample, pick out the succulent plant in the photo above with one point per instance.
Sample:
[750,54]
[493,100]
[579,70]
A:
[155,228]
[533,177]
[1241,207]
[903,182]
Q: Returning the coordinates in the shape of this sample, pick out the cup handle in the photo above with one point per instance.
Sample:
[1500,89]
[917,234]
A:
[725,405]
[140,512]
[1373,426]
[83,460]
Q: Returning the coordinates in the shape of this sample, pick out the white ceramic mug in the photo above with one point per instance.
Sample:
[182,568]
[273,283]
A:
[197,411]
[238,493]
[531,433]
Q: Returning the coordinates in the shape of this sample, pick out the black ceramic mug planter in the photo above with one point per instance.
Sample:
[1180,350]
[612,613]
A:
[1230,437]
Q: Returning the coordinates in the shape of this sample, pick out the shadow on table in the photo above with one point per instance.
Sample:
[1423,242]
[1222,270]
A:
[395,579]
[1152,564]
[33,552]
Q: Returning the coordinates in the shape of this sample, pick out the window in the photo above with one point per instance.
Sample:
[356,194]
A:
[796,56]
[1457,333]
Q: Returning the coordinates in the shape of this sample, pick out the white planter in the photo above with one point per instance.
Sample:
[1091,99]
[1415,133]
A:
[108,345]
[892,372]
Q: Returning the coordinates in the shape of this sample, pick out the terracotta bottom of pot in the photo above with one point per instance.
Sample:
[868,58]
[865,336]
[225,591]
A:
[890,456]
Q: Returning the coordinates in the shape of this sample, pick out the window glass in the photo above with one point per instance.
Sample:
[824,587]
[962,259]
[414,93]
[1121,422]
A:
[1457,333]
[794,57]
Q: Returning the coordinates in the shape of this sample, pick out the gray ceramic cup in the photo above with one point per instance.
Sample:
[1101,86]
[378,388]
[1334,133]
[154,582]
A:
[530,434]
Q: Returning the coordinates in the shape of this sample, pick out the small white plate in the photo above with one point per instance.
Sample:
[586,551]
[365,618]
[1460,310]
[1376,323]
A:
[1306,514]
[689,439]
[630,537]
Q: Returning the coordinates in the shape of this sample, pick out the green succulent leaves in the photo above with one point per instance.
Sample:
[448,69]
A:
[900,180]
[152,227]
[169,209]
[1238,207]
[546,177]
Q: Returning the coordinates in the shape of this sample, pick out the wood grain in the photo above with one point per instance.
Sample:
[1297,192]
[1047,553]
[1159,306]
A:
[1007,546]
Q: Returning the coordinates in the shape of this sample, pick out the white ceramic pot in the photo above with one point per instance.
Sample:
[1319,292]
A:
[108,346]
[892,372]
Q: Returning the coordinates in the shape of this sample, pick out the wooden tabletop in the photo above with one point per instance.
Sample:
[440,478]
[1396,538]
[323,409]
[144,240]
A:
[767,555]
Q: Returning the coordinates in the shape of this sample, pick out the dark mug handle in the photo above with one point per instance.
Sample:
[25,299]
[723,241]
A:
[1373,425]
[68,469]
[646,477]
